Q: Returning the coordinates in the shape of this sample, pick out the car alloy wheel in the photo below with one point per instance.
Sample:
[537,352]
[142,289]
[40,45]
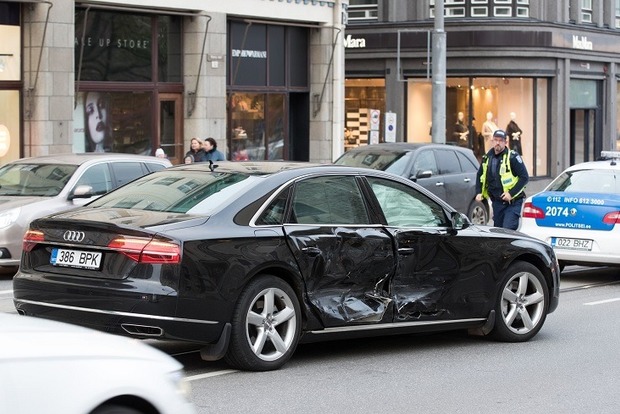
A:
[266,325]
[478,213]
[522,304]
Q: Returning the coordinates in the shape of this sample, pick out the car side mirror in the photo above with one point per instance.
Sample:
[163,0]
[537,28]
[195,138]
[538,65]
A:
[81,191]
[459,221]
[424,174]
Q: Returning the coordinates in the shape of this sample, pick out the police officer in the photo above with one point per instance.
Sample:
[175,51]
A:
[502,178]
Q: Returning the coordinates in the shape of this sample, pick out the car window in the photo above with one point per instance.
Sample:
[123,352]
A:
[589,181]
[155,166]
[125,172]
[467,164]
[98,177]
[406,207]
[448,162]
[274,213]
[179,191]
[425,161]
[34,179]
[328,200]
[394,161]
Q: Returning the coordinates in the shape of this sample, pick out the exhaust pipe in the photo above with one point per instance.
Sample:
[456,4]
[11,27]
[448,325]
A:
[142,330]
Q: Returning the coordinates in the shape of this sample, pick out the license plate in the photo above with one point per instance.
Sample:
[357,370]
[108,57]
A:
[76,258]
[571,244]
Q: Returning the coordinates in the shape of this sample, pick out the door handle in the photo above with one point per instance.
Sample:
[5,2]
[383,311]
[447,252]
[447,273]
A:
[440,184]
[467,180]
[311,251]
[406,250]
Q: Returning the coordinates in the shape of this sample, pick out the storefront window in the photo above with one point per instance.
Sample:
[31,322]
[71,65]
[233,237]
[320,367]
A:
[267,91]
[113,122]
[362,96]
[489,103]
[9,125]
[257,126]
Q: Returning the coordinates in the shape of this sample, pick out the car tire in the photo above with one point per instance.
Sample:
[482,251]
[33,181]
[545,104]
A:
[265,325]
[522,303]
[478,213]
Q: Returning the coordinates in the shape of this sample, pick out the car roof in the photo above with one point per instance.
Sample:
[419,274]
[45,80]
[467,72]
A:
[285,169]
[81,158]
[405,146]
[596,165]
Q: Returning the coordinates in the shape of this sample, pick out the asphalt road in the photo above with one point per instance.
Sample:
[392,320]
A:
[571,366]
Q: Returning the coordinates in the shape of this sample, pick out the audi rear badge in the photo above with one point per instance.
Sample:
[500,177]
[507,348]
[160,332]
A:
[73,236]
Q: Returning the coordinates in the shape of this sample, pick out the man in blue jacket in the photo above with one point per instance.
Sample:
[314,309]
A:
[502,178]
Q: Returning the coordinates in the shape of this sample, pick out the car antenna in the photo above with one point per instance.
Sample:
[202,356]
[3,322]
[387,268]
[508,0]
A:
[212,166]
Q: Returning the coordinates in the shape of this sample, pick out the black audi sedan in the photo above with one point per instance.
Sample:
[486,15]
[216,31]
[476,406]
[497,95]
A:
[250,258]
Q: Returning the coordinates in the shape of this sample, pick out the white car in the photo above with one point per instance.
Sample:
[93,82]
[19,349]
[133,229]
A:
[52,367]
[578,213]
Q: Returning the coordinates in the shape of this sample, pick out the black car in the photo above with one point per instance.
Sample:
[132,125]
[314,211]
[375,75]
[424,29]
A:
[250,258]
[447,171]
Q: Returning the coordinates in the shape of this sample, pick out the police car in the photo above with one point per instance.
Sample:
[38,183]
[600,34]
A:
[579,213]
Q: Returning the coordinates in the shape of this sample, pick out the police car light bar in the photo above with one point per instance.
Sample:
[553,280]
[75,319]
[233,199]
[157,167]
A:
[610,155]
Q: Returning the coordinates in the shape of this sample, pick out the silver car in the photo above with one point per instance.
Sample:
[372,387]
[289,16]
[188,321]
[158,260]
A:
[35,187]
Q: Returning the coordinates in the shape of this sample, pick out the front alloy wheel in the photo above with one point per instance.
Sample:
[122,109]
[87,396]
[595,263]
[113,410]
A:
[265,326]
[522,305]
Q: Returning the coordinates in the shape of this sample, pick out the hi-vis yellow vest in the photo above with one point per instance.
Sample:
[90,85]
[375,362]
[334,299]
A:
[508,180]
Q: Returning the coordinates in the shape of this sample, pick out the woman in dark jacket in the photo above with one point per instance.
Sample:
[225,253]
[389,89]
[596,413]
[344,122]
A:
[196,152]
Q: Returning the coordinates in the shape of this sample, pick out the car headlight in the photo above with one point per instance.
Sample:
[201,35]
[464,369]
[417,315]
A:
[8,217]
[182,385]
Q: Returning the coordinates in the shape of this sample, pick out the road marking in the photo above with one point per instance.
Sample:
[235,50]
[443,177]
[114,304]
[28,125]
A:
[210,374]
[600,302]
[4,292]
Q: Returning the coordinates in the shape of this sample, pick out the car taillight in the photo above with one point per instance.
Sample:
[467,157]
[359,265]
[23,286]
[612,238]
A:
[147,250]
[531,211]
[612,217]
[31,239]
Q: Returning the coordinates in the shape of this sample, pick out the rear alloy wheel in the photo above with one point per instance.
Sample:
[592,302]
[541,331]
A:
[522,304]
[265,327]
[478,213]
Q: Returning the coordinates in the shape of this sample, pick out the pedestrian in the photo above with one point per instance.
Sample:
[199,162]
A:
[211,151]
[502,177]
[159,153]
[196,151]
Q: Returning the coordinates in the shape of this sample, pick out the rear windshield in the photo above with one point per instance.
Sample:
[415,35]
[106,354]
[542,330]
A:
[394,162]
[190,192]
[586,181]
[44,180]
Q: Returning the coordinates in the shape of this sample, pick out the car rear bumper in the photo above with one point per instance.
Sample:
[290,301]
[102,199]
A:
[605,249]
[139,313]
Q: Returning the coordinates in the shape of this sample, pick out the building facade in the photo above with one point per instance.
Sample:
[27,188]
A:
[263,77]
[546,70]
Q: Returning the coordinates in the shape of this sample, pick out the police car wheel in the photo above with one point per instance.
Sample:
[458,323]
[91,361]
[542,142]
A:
[522,303]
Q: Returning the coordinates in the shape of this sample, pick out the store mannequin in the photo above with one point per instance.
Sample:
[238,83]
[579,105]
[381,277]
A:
[514,134]
[460,135]
[488,128]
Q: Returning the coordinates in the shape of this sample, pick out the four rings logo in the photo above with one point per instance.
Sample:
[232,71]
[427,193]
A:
[73,236]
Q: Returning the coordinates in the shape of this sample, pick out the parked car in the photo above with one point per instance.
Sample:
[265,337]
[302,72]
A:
[447,171]
[34,187]
[249,258]
[578,213]
[53,367]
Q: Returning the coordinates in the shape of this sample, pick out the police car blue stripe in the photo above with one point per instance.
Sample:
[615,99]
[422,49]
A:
[583,211]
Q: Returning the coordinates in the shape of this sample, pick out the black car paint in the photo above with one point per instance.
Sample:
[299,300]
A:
[195,299]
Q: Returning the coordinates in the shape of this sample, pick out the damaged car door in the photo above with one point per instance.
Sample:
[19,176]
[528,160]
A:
[345,256]
[428,283]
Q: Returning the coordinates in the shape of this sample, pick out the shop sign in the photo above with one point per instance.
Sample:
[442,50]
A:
[351,43]
[256,54]
[582,42]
